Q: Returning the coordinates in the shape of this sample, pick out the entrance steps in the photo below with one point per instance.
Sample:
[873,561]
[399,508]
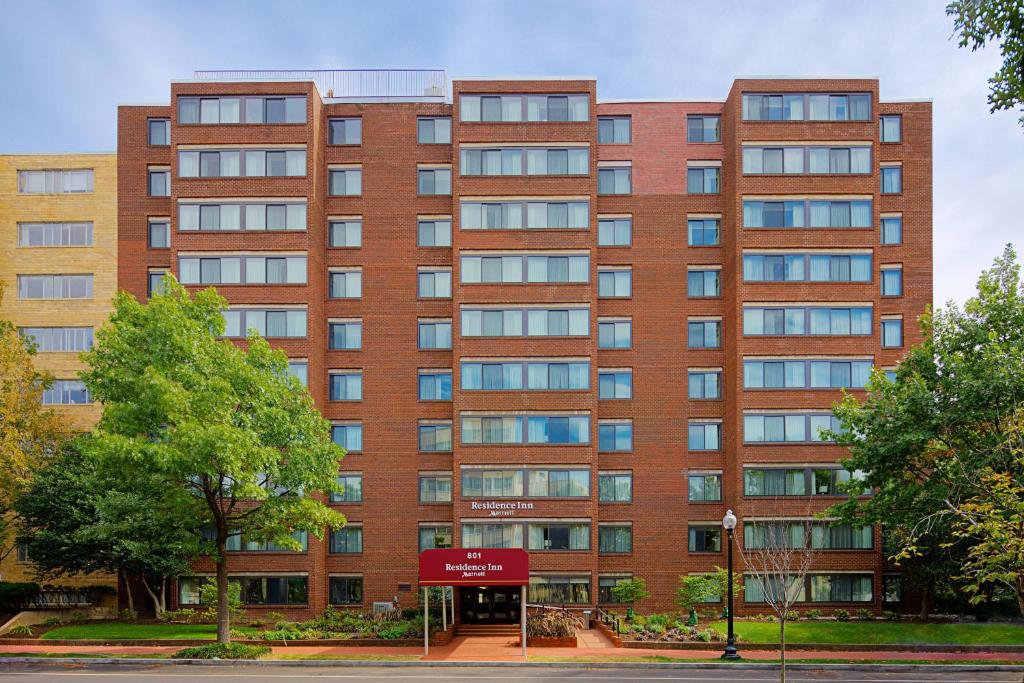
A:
[511,630]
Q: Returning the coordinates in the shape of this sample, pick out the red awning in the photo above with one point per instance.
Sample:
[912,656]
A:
[474,567]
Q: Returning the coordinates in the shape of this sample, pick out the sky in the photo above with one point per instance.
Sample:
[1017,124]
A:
[67,65]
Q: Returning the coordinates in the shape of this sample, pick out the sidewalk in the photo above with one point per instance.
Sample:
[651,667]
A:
[593,646]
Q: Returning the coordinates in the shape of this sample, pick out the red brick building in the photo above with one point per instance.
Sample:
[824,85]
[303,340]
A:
[541,320]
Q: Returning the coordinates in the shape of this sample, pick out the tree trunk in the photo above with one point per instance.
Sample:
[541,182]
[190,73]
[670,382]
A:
[223,625]
[782,648]
[128,595]
[925,592]
[157,599]
[163,593]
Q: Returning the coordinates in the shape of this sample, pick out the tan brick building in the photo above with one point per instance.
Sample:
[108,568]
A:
[542,320]
[58,247]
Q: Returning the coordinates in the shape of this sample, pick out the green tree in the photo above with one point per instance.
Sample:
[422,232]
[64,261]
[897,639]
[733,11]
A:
[925,438]
[695,590]
[978,22]
[631,590]
[227,425]
[80,518]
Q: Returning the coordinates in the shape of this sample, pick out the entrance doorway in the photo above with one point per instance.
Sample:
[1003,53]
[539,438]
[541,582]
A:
[496,605]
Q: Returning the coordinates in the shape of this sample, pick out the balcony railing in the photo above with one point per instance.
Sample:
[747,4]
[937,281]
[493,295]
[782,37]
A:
[349,83]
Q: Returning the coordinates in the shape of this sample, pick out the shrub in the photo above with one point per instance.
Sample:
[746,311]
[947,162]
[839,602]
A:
[657,620]
[52,621]
[792,615]
[865,615]
[274,616]
[552,623]
[814,614]
[631,590]
[208,599]
[21,630]
[14,595]
[223,651]
[128,615]
[393,632]
[889,615]
[78,617]
[841,615]
[704,636]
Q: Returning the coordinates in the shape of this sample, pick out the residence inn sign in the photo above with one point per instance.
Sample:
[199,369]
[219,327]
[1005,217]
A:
[474,567]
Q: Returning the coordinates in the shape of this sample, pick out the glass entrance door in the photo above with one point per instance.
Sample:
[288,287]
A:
[484,605]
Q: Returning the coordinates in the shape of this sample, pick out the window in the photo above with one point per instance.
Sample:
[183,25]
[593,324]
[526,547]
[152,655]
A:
[435,130]
[159,183]
[891,128]
[704,334]
[55,182]
[532,322]
[614,130]
[435,536]
[347,540]
[55,287]
[892,333]
[605,589]
[810,214]
[346,233]
[703,232]
[807,107]
[514,161]
[614,283]
[798,160]
[614,538]
[614,232]
[840,587]
[892,588]
[22,553]
[345,335]
[269,270]
[530,215]
[234,109]
[347,386]
[816,320]
[58,339]
[704,488]
[66,392]
[435,488]
[435,438]
[614,334]
[435,385]
[892,280]
[703,129]
[704,384]
[539,429]
[613,437]
[495,535]
[704,436]
[434,334]
[273,590]
[820,481]
[345,182]
[237,544]
[159,234]
[892,230]
[348,436]
[615,487]
[614,384]
[614,180]
[300,371]
[559,590]
[703,283]
[434,232]
[497,268]
[434,284]
[800,374]
[506,108]
[789,427]
[345,590]
[345,131]
[159,131]
[477,483]
[242,163]
[703,180]
[530,482]
[55,234]
[346,284]
[892,179]
[705,539]
[238,322]
[841,537]
[434,181]
[779,267]
[529,375]
[154,283]
[286,215]
[558,536]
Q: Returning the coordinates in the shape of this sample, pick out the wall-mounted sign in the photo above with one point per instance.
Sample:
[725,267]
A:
[500,508]
[474,567]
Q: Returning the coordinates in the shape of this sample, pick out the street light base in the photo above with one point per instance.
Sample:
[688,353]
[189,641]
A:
[730,653]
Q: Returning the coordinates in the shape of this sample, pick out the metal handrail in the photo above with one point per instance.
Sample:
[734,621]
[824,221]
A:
[345,83]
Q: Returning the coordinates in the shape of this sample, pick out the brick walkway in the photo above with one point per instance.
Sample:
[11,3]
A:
[593,645]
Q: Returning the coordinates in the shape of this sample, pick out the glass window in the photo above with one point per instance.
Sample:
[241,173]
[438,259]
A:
[345,590]
[348,540]
[614,283]
[615,436]
[346,182]
[705,385]
[892,230]
[435,437]
[432,537]
[891,128]
[346,387]
[703,180]
[892,281]
[347,233]
[892,333]
[345,131]
[703,128]
[614,130]
[435,284]
[615,488]
[435,181]
[435,386]
[703,232]
[705,539]
[614,538]
[159,131]
[345,336]
[159,183]
[616,180]
[614,334]
[435,335]
[434,233]
[434,130]
[346,285]
[703,283]
[892,179]
[435,488]
[704,334]
[704,488]
[615,385]
[704,436]
[614,232]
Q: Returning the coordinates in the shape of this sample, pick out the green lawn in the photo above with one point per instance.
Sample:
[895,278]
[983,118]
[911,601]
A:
[113,630]
[878,633]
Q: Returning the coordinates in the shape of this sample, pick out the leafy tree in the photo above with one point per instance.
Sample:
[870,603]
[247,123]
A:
[980,21]
[29,433]
[694,590]
[226,425]
[926,440]
[631,590]
[78,517]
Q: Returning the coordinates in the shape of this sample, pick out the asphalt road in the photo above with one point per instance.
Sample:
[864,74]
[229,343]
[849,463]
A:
[32,673]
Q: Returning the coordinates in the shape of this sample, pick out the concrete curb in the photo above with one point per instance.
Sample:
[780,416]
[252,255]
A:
[5,662]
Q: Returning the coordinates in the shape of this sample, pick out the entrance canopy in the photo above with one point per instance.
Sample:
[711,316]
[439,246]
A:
[474,567]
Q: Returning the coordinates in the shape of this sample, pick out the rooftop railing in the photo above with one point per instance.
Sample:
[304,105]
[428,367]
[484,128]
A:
[349,83]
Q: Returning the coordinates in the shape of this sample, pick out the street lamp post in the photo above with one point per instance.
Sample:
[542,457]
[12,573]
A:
[729,523]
